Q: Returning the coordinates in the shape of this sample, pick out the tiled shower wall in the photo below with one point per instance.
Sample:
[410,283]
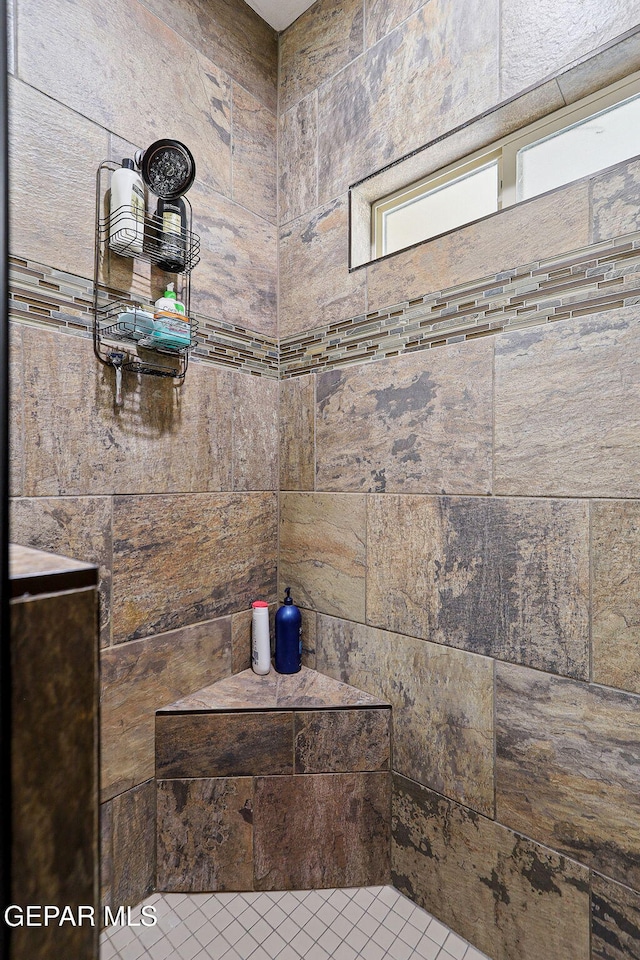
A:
[461,524]
[174,495]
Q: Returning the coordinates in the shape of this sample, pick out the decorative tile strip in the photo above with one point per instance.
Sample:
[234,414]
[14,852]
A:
[602,276]
[44,297]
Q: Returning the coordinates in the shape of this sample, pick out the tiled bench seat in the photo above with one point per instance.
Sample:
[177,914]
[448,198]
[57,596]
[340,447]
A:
[273,783]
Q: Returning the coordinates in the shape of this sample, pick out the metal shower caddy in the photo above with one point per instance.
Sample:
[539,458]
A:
[115,344]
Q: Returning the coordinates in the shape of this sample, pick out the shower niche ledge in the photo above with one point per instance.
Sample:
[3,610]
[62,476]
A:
[273,783]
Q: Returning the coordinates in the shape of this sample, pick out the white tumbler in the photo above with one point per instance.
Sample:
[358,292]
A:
[260,642]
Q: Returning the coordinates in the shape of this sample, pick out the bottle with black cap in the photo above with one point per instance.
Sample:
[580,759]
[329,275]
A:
[288,636]
[126,211]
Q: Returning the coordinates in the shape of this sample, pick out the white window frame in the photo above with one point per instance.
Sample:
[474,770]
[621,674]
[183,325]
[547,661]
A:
[506,151]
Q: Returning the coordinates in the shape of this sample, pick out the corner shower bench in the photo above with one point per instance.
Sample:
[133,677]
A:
[273,783]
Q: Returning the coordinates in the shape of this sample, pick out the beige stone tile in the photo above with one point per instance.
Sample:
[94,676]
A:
[565,425]
[254,154]
[16,411]
[439,738]
[54,764]
[382,17]
[223,559]
[566,768]
[505,578]
[543,227]
[194,745]
[506,894]
[297,433]
[375,110]
[323,552]
[298,156]
[46,164]
[205,834]
[615,920]
[309,632]
[327,830]
[615,586]
[79,527]
[241,640]
[134,844]
[231,34]
[536,41]
[106,855]
[255,433]
[315,284]
[420,423]
[614,201]
[11,36]
[342,741]
[317,45]
[613,63]
[149,100]
[235,280]
[162,438]
[139,678]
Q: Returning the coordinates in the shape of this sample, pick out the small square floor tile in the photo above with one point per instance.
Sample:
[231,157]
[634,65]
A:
[438,932]
[455,946]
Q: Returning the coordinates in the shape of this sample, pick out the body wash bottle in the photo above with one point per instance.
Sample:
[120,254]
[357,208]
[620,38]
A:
[126,213]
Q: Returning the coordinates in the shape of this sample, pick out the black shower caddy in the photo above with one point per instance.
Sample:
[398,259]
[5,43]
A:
[113,342]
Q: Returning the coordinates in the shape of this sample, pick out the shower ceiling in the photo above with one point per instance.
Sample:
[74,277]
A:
[280,13]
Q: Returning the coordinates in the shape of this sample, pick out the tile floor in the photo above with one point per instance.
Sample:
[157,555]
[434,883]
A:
[366,923]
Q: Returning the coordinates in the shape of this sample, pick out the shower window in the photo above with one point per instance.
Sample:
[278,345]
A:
[573,142]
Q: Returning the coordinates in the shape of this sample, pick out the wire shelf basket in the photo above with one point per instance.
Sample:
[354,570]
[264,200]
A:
[177,252]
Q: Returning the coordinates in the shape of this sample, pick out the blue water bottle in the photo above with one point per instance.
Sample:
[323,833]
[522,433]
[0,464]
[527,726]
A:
[288,636]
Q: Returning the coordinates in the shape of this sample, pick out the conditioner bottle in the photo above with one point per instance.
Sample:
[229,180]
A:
[126,213]
[288,636]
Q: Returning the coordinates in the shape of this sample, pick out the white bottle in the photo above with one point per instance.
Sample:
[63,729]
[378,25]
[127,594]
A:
[126,215]
[260,643]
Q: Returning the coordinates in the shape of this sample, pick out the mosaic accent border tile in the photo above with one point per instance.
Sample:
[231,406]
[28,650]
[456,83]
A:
[42,296]
[601,276]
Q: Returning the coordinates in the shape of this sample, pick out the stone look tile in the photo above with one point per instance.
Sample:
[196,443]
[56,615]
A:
[374,111]
[615,628]
[297,433]
[322,552]
[308,638]
[543,29]
[79,527]
[298,173]
[140,103]
[233,36]
[615,200]
[205,833]
[317,45]
[542,227]
[508,895]
[439,738]
[254,155]
[139,678]
[235,281]
[564,425]
[615,918]
[255,433]
[381,17]
[241,640]
[315,284]
[134,844]
[612,63]
[567,768]
[329,830]
[16,412]
[161,438]
[421,423]
[226,558]
[106,855]
[43,135]
[501,577]
[223,745]
[54,776]
[342,741]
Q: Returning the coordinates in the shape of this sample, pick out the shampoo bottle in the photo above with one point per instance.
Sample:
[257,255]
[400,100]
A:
[288,636]
[260,643]
[171,219]
[126,213]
